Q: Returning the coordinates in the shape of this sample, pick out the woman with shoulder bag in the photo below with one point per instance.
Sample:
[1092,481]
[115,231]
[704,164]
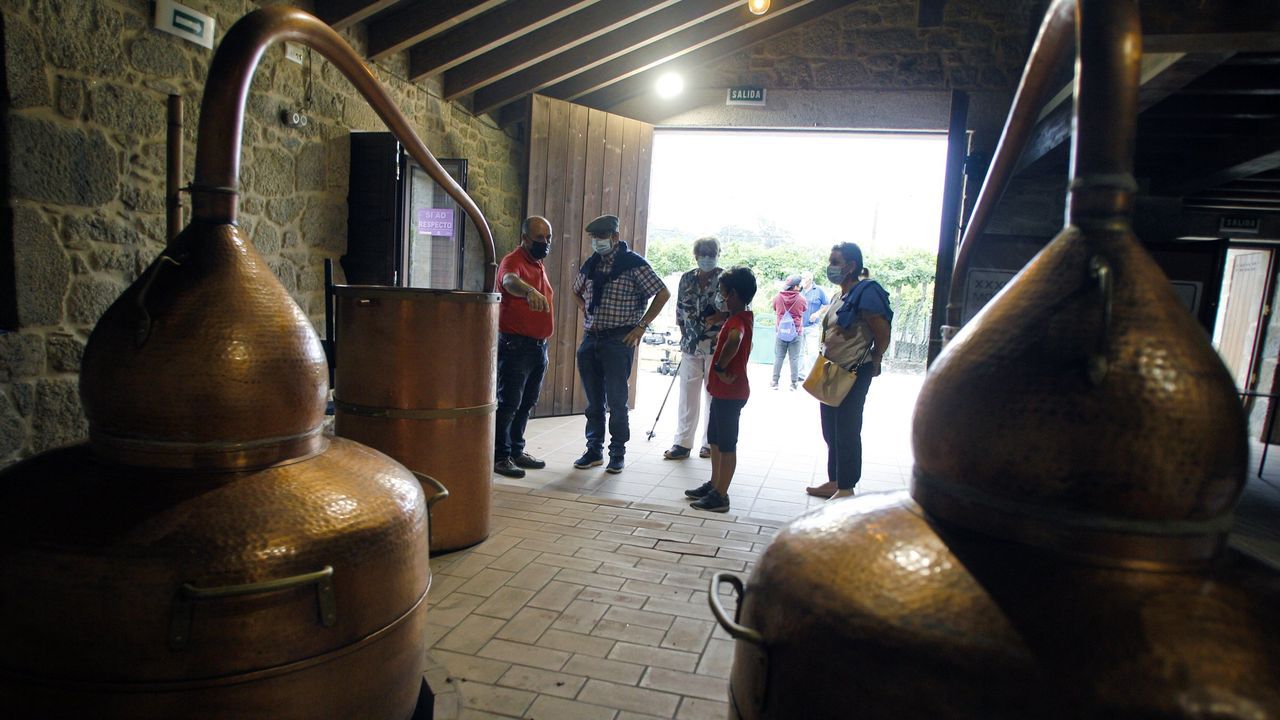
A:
[855,334]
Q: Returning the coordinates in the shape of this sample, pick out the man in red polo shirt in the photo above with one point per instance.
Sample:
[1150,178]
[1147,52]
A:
[525,321]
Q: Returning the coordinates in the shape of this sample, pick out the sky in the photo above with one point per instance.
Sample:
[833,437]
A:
[878,190]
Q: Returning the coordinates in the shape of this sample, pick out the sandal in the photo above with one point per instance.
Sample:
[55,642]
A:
[677,452]
[705,452]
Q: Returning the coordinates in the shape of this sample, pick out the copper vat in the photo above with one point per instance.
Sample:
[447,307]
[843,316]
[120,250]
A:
[1079,447]
[210,553]
[415,378]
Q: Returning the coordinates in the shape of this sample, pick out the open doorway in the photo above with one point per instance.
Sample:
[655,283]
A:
[777,201]
[1242,312]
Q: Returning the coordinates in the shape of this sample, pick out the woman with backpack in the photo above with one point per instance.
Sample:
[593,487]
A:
[789,305]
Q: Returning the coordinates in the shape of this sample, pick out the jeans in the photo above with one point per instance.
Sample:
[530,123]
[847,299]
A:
[604,362]
[842,429]
[809,354]
[522,361]
[781,349]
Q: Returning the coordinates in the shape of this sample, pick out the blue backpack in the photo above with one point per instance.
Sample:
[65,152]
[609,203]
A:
[787,326]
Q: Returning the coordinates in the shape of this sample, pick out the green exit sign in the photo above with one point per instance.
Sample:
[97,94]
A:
[746,95]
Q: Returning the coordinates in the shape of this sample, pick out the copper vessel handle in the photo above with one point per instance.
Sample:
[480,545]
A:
[736,630]
[184,607]
[217,172]
[442,492]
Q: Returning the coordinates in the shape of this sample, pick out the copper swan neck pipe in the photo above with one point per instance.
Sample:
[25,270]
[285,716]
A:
[1108,39]
[217,172]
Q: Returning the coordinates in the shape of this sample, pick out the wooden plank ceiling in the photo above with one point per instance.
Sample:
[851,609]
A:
[1209,121]
[594,52]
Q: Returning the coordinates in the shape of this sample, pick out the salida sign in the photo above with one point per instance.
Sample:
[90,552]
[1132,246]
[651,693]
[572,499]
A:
[746,95]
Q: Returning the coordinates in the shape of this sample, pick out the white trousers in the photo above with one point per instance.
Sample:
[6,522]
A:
[692,379]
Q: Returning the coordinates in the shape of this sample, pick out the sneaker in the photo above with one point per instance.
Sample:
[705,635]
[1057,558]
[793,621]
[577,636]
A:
[677,452]
[615,465]
[525,460]
[705,452]
[841,493]
[712,502]
[507,468]
[773,386]
[700,491]
[590,458]
[825,490]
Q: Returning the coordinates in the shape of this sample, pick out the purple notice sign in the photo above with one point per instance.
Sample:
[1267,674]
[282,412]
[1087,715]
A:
[435,221]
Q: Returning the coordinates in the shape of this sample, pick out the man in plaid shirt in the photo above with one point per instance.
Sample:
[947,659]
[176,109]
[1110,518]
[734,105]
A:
[611,290]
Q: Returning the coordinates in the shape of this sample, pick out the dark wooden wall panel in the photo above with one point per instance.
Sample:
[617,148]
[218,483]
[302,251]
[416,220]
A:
[582,163]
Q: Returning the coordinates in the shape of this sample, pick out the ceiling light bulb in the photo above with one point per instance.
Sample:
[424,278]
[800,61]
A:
[758,7]
[670,85]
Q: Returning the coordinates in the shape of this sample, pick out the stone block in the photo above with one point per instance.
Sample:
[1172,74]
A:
[124,260]
[64,352]
[41,268]
[58,418]
[266,238]
[137,114]
[272,172]
[57,164]
[24,397]
[286,272]
[311,167]
[324,225]
[159,55]
[12,429]
[80,232]
[141,197]
[21,356]
[83,36]
[284,210]
[89,298]
[24,69]
[841,74]
[71,97]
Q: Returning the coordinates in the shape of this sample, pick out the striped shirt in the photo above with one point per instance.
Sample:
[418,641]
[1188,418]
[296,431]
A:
[624,299]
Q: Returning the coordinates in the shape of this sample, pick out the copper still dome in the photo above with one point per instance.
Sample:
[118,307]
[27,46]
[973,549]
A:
[210,552]
[1061,554]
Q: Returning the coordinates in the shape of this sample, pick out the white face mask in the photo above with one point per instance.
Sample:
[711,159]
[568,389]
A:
[602,246]
[706,264]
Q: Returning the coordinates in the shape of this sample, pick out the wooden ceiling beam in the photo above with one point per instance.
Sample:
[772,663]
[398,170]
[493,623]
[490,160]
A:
[413,22]
[341,14]
[1233,206]
[1222,194]
[569,32]
[1256,107]
[588,55]
[1198,26]
[487,32]
[616,80]
[1212,165]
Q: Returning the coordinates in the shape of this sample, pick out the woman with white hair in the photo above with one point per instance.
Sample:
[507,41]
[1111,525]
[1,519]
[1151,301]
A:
[699,312]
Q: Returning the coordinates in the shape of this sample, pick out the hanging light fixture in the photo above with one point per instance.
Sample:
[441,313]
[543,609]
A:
[670,84]
[758,7]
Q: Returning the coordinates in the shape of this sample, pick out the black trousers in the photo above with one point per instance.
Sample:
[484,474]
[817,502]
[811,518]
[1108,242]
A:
[842,429]
[522,361]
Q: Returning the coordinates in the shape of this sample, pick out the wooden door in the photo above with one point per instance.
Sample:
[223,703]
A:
[582,163]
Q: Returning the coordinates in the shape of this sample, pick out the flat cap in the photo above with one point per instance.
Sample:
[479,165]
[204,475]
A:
[603,225]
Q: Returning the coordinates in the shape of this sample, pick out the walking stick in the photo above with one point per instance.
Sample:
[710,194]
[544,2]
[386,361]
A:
[661,407]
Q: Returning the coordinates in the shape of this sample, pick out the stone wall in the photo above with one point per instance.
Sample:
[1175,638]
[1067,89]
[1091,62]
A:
[869,66]
[87,82]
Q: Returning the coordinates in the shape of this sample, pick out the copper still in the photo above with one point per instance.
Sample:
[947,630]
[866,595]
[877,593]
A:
[209,552]
[415,378]
[1061,554]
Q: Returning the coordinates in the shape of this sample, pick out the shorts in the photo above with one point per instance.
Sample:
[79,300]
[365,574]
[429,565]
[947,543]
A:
[722,423]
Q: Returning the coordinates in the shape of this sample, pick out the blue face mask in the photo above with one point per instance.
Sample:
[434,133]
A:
[835,273]
[706,264]
[603,246]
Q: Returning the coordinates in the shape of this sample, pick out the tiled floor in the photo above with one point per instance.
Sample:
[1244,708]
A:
[589,599]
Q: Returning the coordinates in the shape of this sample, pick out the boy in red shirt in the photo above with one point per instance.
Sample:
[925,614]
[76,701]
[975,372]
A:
[727,385]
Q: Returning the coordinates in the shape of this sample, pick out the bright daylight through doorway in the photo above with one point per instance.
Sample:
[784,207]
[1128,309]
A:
[778,200]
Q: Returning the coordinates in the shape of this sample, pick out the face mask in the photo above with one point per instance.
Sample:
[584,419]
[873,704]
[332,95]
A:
[539,250]
[706,264]
[603,246]
[835,273]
